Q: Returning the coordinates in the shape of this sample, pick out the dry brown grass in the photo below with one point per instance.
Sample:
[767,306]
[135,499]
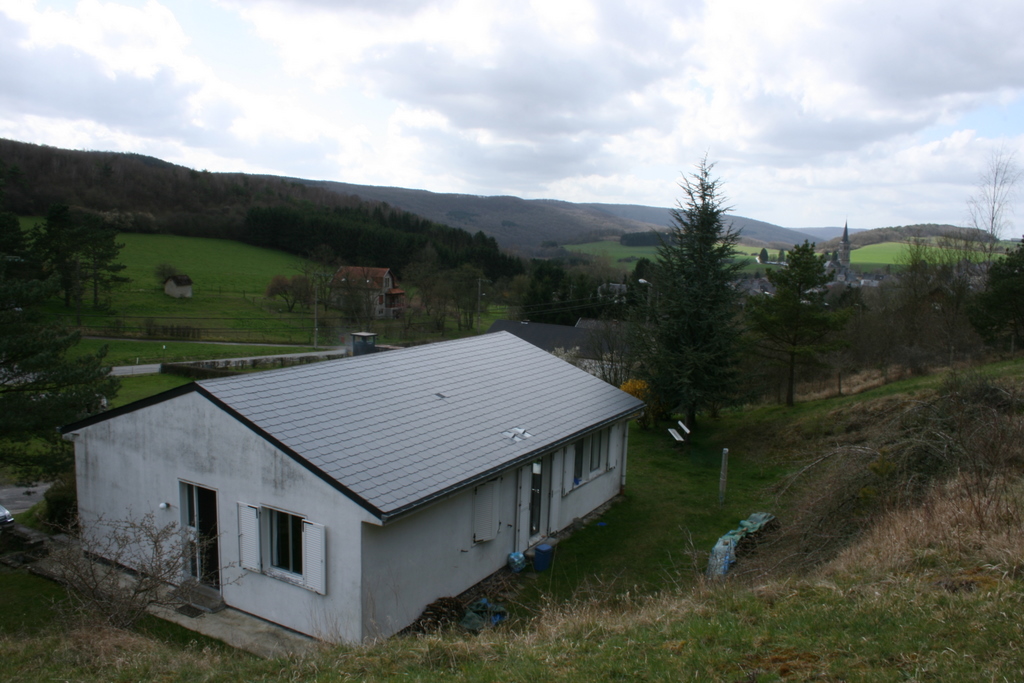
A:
[853,383]
[943,535]
[958,450]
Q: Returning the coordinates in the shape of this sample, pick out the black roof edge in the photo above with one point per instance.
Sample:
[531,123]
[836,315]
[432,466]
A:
[334,483]
[129,408]
[491,473]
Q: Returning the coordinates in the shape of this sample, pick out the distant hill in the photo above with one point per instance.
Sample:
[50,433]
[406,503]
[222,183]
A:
[528,223]
[901,233]
[136,193]
[822,234]
[152,195]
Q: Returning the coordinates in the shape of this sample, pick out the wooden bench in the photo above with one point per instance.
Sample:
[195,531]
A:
[676,435]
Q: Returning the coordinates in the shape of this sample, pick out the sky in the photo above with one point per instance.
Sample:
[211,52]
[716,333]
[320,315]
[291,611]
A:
[814,112]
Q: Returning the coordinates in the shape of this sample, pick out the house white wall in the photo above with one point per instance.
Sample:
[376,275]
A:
[598,487]
[409,563]
[129,464]
[177,291]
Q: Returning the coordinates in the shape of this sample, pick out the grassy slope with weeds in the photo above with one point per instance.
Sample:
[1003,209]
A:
[914,583]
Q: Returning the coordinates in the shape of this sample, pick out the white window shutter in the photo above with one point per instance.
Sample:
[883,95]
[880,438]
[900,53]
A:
[314,556]
[485,512]
[567,470]
[249,537]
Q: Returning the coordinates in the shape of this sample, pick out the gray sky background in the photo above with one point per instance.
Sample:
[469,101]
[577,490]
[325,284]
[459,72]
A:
[816,112]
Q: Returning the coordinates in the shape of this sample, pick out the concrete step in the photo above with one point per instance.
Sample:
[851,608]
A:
[201,597]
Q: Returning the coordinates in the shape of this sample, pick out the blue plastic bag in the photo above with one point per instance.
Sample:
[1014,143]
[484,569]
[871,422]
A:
[516,562]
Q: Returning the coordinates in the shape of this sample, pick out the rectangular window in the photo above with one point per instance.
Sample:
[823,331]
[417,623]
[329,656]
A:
[283,545]
[286,541]
[589,459]
[596,451]
[577,466]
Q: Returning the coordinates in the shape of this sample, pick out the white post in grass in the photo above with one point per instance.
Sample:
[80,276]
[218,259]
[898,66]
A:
[722,477]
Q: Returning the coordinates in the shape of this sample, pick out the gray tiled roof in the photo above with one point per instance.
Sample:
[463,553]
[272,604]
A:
[376,425]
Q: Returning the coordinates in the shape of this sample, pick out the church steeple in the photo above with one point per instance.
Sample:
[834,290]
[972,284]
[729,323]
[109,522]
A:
[844,246]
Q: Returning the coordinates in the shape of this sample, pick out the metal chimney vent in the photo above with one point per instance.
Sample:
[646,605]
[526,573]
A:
[517,434]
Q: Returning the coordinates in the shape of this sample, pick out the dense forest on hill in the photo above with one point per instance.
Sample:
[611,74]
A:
[903,233]
[136,193]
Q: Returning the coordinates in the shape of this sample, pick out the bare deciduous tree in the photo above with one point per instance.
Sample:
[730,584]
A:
[291,290]
[989,209]
[117,569]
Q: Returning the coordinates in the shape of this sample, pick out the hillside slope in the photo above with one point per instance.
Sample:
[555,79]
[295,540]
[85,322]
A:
[527,223]
[150,194]
[899,557]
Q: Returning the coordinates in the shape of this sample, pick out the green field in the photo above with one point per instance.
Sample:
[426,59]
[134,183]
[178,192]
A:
[619,255]
[866,259]
[227,304]
[216,267]
[626,257]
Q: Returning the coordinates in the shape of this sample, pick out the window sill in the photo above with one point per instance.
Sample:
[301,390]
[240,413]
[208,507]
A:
[286,576]
[578,483]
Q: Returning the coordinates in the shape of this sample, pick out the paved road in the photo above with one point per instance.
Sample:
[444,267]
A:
[18,499]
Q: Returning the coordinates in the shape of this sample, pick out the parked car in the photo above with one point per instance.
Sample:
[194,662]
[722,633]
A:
[6,518]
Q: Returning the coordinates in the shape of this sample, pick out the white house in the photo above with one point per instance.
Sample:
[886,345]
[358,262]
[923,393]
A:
[178,286]
[347,495]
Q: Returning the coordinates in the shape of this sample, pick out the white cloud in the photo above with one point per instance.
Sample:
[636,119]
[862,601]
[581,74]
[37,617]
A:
[816,110]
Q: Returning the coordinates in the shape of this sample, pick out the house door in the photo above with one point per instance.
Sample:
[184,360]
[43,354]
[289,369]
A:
[199,512]
[538,502]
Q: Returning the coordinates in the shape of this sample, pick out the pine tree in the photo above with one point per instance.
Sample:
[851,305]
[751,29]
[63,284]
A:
[998,312]
[40,388]
[79,248]
[795,325]
[688,335]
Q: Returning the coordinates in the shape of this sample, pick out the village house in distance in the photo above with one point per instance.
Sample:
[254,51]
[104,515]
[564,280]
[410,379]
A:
[347,495]
[368,292]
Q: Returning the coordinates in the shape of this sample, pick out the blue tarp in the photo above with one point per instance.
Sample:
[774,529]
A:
[723,555]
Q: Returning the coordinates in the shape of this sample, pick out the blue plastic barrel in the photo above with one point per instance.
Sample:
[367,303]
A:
[542,557]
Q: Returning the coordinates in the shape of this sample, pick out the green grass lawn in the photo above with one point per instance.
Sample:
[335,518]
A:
[143,386]
[661,534]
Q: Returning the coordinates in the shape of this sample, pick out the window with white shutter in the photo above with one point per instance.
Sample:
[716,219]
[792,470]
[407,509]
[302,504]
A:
[283,545]
[485,511]
[249,537]
[314,556]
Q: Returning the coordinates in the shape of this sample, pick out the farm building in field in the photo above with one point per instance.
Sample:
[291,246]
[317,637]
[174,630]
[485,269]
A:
[345,496]
[178,286]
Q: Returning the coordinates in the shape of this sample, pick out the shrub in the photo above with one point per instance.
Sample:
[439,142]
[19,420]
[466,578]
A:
[164,271]
[93,568]
[641,390]
[61,501]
